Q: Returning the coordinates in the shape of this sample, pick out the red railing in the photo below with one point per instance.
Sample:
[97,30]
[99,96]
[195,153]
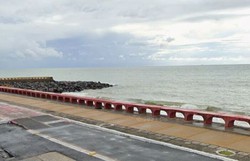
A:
[188,114]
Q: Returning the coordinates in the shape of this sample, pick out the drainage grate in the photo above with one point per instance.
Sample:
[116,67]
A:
[4,154]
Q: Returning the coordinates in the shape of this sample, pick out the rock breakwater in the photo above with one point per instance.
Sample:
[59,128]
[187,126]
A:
[56,86]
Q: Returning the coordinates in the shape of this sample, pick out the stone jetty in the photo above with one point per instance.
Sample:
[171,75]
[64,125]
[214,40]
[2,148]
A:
[50,85]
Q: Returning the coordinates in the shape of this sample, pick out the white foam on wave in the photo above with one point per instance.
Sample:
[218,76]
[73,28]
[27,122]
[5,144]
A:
[189,106]
[178,115]
[76,93]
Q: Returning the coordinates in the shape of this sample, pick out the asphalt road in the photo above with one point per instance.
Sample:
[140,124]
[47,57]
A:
[119,147]
[38,134]
[19,144]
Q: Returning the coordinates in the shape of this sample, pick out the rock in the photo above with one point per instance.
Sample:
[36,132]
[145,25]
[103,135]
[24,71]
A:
[57,86]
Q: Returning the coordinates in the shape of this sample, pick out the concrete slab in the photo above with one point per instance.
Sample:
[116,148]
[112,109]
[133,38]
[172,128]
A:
[44,118]
[32,159]
[28,123]
[52,156]
[23,145]
[218,138]
[36,104]
[59,124]
[54,108]
[112,117]
[118,147]
[242,145]
[10,112]
[152,126]
[48,105]
[90,114]
[34,101]
[115,120]
[101,116]
[72,110]
[181,131]
[129,121]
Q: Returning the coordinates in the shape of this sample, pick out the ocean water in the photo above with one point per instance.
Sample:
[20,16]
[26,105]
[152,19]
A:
[214,88]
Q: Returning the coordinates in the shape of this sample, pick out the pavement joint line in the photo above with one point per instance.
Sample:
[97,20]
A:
[71,146]
[140,138]
[52,122]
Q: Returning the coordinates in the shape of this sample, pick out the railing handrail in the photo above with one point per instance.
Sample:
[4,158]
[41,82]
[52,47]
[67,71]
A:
[129,107]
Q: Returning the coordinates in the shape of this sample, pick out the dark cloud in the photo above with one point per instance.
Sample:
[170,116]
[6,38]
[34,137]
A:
[118,32]
[110,49]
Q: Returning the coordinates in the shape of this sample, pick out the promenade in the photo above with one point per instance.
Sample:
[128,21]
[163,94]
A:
[199,138]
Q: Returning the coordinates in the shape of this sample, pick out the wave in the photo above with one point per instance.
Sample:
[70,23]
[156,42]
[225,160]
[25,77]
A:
[183,105]
[177,104]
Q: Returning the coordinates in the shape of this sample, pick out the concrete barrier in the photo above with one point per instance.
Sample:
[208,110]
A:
[25,79]
[188,114]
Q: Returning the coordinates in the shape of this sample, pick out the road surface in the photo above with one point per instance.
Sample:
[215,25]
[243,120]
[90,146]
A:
[36,133]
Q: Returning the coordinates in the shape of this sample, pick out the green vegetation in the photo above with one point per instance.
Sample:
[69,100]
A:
[226,152]
[212,108]
[153,103]
[162,103]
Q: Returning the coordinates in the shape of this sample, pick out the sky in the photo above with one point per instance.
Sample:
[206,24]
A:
[123,33]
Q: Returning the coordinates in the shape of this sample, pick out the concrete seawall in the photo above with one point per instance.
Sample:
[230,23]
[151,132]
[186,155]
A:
[25,79]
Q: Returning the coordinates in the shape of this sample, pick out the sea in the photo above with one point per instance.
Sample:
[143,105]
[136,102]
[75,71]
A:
[221,88]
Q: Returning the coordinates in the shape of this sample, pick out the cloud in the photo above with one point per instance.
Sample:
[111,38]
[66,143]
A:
[34,50]
[211,60]
[123,33]
[110,49]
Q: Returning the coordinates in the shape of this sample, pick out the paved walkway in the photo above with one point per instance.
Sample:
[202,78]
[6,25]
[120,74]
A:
[219,138]
[51,156]
[46,137]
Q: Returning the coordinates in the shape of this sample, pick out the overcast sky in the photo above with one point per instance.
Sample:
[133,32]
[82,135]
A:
[109,33]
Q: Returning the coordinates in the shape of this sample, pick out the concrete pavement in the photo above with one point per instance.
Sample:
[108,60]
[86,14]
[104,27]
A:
[21,145]
[42,137]
[189,134]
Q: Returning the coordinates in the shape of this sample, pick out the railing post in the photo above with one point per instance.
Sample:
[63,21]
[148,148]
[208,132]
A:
[107,106]
[208,119]
[228,122]
[129,109]
[118,107]
[171,113]
[188,116]
[142,110]
[155,112]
